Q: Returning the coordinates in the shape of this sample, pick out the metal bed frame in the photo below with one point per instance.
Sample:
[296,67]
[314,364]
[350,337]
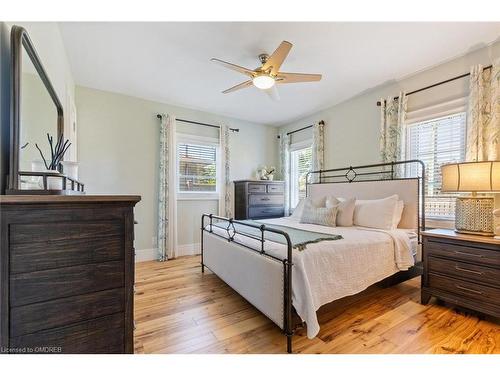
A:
[375,172]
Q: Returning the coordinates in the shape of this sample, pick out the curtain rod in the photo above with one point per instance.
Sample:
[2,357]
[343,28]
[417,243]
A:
[200,123]
[436,84]
[304,128]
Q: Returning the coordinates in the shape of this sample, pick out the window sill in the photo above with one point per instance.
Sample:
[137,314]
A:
[197,196]
[439,223]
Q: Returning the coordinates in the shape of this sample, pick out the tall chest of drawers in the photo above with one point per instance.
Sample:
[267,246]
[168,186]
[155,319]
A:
[67,274]
[256,199]
[462,269]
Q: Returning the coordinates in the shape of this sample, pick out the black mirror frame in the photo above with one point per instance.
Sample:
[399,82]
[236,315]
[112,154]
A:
[19,38]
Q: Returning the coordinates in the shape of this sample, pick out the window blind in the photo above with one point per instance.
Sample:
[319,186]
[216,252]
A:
[301,161]
[197,167]
[437,141]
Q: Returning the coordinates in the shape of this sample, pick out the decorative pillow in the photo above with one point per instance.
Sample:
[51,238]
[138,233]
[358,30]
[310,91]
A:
[317,202]
[318,215]
[376,213]
[345,210]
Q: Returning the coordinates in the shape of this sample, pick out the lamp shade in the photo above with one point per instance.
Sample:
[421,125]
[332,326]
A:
[482,176]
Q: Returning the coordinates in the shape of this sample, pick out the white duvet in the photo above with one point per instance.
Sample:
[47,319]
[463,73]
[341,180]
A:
[329,270]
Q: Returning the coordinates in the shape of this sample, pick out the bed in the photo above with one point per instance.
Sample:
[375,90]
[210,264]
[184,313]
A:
[259,261]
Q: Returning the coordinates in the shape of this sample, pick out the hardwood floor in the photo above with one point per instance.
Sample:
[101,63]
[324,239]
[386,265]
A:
[180,310]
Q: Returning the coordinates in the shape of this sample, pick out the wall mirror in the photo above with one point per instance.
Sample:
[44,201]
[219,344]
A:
[35,112]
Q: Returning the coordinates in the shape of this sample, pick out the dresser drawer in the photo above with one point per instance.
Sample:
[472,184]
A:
[473,272]
[65,311]
[275,188]
[256,188]
[65,282]
[39,256]
[47,232]
[462,252]
[264,212]
[261,200]
[102,335]
[469,290]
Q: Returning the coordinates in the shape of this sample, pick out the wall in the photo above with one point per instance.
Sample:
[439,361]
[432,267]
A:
[352,127]
[118,154]
[48,43]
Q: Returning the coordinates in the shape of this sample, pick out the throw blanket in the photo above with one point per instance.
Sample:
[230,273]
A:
[300,238]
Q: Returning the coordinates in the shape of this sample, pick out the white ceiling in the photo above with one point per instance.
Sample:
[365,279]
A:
[170,62]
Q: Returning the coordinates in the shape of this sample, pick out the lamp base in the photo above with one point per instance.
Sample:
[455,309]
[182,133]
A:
[485,234]
[474,215]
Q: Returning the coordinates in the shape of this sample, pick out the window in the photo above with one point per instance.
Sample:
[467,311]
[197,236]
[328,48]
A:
[197,167]
[437,141]
[300,164]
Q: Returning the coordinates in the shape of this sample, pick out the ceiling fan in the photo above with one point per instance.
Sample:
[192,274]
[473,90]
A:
[268,75]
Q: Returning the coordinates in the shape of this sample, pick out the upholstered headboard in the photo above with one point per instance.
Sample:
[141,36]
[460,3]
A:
[406,189]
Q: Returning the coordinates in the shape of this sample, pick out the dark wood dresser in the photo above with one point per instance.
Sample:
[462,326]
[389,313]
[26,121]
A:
[67,274]
[255,199]
[462,269]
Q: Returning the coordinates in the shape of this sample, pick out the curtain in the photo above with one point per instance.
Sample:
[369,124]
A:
[483,118]
[285,168]
[392,118]
[167,200]
[225,198]
[318,153]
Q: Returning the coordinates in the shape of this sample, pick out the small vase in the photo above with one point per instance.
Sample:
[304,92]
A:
[53,183]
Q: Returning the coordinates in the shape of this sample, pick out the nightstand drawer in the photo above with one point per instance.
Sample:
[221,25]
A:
[472,272]
[469,290]
[462,253]
[256,188]
[275,188]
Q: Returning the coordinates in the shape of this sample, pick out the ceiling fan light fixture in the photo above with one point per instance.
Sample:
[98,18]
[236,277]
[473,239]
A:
[263,81]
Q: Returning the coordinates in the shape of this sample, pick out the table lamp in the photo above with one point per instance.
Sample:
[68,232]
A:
[473,214]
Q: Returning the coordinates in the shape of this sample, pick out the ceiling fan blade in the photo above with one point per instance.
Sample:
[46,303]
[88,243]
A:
[273,93]
[237,68]
[238,87]
[276,59]
[297,77]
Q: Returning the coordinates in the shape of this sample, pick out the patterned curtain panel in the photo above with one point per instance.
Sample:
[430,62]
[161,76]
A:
[483,118]
[167,200]
[392,134]
[225,199]
[318,147]
[392,118]
[285,168]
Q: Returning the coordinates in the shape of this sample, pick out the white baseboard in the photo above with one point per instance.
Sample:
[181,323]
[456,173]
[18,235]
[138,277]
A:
[188,249]
[145,255]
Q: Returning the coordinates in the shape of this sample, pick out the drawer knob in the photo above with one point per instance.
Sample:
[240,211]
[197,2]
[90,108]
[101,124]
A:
[458,268]
[468,289]
[469,254]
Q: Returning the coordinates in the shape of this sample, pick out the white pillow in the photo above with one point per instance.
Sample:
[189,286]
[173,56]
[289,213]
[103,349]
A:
[345,210]
[398,213]
[297,212]
[376,213]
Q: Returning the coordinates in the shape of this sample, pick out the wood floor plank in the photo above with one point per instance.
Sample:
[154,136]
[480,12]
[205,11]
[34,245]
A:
[180,310]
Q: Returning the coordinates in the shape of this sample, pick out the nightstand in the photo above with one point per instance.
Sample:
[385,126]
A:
[462,269]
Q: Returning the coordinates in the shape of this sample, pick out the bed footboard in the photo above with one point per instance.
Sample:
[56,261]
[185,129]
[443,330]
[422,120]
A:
[262,279]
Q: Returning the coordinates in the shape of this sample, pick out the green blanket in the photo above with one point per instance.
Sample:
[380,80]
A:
[300,238]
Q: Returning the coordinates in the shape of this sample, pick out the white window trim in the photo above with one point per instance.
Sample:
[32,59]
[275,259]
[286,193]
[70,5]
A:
[198,195]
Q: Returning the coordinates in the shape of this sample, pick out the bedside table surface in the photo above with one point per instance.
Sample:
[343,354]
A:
[449,233]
